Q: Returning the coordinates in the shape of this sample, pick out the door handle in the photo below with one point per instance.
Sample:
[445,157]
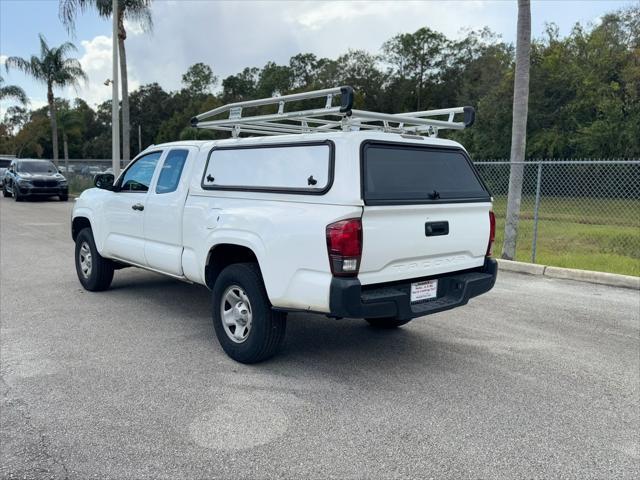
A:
[138,206]
[434,229]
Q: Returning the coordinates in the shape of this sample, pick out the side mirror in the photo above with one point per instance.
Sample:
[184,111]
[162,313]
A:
[104,181]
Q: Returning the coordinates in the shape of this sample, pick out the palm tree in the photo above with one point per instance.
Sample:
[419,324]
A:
[55,69]
[70,121]
[518,128]
[12,92]
[134,10]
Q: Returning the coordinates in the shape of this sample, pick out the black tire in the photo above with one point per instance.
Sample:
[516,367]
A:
[16,194]
[267,327]
[386,323]
[100,273]
[63,198]
[5,193]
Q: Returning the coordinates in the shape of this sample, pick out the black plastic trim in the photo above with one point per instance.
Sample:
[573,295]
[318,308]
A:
[418,201]
[295,191]
[348,298]
[469,116]
[346,99]
[435,229]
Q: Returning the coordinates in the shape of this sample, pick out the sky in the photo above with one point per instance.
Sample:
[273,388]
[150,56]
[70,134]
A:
[231,35]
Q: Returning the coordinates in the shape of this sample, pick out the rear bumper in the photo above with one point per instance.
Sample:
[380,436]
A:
[350,299]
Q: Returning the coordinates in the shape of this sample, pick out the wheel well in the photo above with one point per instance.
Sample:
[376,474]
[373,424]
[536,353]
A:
[77,225]
[222,256]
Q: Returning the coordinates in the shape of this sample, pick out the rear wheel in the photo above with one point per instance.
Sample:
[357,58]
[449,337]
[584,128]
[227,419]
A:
[63,198]
[386,323]
[94,271]
[248,330]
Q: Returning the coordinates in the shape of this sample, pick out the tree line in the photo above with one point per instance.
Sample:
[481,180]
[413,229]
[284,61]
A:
[584,96]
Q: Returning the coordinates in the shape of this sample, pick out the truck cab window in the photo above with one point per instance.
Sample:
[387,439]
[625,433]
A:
[138,176]
[171,171]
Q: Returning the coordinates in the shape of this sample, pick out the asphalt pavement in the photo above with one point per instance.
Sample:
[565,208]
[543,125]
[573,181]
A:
[538,378]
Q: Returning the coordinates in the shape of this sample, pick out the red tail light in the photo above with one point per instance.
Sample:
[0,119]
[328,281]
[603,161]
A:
[344,245]
[492,233]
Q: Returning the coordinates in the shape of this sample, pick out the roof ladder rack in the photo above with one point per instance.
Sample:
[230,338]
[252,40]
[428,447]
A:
[327,118]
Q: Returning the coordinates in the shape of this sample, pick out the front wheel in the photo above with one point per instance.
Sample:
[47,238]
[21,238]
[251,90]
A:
[386,323]
[5,192]
[94,271]
[248,330]
[16,193]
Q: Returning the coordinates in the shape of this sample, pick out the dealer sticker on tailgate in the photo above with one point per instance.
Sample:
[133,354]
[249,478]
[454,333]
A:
[424,290]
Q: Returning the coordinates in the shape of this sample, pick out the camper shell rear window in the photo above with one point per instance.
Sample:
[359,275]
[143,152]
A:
[300,168]
[396,173]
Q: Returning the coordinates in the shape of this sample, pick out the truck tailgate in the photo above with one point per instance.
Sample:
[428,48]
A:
[397,244]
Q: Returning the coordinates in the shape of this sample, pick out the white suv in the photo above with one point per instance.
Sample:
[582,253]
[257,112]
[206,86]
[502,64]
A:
[365,224]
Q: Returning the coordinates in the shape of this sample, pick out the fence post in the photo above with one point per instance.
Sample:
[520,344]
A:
[536,209]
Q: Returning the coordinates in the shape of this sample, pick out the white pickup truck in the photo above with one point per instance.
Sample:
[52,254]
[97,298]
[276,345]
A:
[386,224]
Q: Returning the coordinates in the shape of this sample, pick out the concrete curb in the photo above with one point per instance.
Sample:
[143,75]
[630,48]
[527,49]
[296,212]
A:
[601,278]
[521,267]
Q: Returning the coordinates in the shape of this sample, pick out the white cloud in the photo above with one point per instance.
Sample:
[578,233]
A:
[96,62]
[321,14]
[229,36]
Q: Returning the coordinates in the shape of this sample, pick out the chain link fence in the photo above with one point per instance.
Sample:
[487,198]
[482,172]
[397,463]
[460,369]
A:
[80,172]
[574,213]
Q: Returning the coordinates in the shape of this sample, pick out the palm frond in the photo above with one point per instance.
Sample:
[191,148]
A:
[19,63]
[138,11]
[44,47]
[66,48]
[71,75]
[53,67]
[14,92]
[67,11]
[135,10]
[105,7]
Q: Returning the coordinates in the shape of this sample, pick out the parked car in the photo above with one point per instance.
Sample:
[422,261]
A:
[90,170]
[4,164]
[34,178]
[385,226]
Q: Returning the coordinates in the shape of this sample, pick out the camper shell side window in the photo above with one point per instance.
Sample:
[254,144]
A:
[299,168]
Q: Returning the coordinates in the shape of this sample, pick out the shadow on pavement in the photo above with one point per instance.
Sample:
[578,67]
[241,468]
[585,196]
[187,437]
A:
[312,341]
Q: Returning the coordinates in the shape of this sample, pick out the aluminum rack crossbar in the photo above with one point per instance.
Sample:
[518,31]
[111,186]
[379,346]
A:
[328,118]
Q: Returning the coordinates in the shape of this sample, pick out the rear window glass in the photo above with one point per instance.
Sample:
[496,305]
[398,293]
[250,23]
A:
[296,168]
[401,174]
[171,171]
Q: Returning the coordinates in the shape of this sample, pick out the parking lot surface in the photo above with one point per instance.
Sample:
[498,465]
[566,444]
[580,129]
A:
[538,378]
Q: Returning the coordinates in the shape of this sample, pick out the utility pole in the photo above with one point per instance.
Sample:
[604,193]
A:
[139,138]
[115,116]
